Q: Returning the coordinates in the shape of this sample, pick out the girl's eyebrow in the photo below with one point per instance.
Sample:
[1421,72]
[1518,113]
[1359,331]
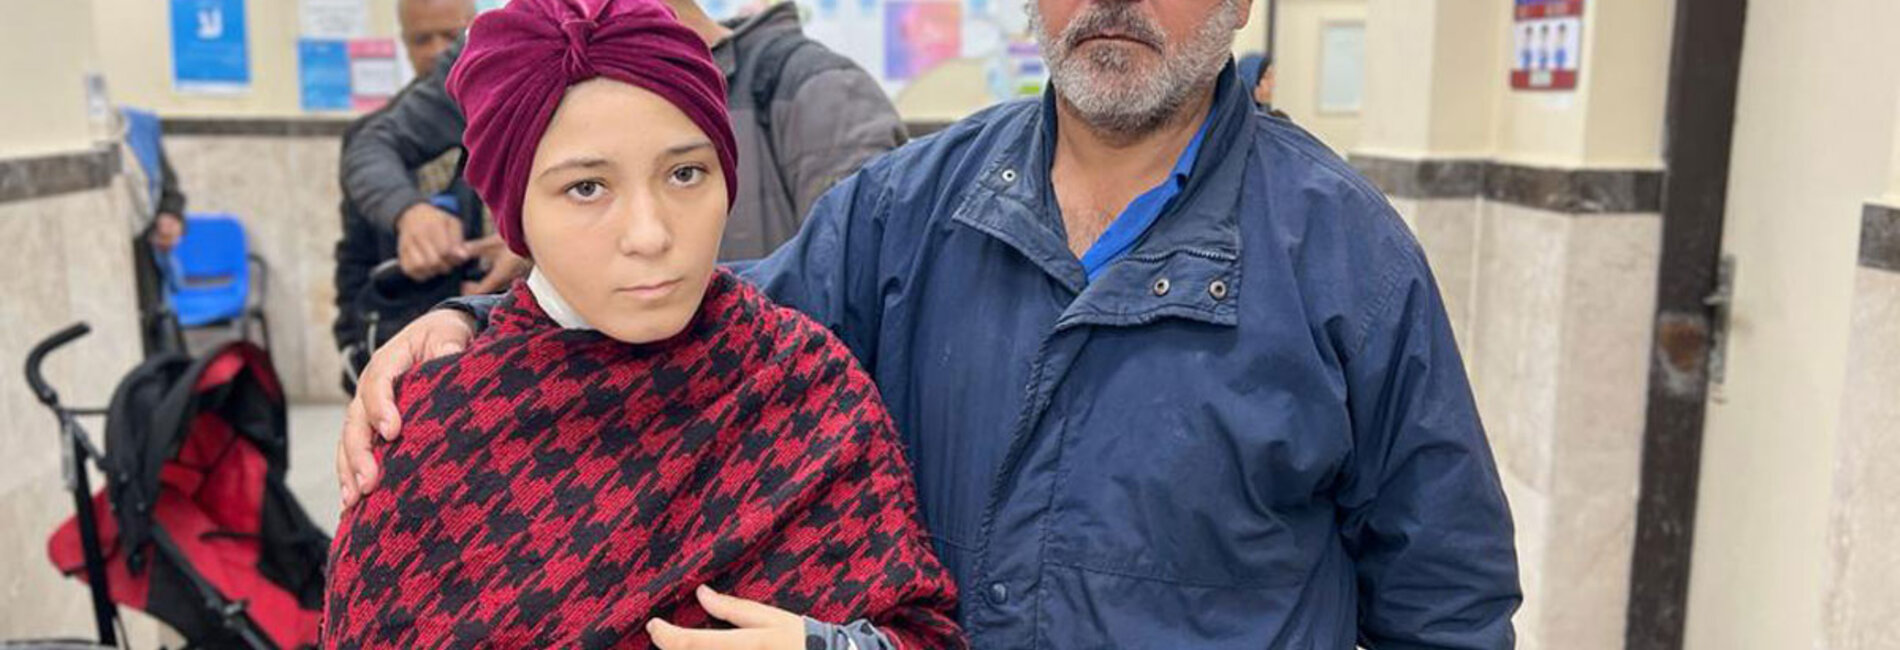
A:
[682,149]
[579,162]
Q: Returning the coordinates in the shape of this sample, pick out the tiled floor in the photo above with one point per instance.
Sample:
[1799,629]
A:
[313,434]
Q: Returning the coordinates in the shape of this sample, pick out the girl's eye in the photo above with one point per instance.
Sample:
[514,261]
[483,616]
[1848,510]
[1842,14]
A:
[688,176]
[586,190]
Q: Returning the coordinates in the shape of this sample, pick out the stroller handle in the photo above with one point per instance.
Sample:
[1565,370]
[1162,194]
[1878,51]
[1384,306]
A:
[33,360]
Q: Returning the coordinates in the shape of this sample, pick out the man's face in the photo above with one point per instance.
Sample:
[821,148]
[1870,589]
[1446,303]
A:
[429,27]
[1126,66]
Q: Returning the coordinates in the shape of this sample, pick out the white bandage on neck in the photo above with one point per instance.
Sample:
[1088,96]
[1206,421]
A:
[552,302]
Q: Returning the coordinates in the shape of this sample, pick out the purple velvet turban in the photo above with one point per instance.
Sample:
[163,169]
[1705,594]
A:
[519,61]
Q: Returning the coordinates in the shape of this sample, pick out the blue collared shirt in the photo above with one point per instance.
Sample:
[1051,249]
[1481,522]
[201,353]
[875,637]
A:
[1141,213]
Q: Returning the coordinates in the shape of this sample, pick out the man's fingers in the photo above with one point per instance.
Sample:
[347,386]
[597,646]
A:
[442,333]
[346,485]
[667,636]
[355,461]
[740,612]
[433,335]
[406,256]
[434,257]
[442,346]
[487,246]
[496,278]
[418,261]
[376,387]
[448,240]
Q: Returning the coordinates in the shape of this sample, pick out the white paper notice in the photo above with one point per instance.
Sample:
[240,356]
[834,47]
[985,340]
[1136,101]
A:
[335,19]
[373,77]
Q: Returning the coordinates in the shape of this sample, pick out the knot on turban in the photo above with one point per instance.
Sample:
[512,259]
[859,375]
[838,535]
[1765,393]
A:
[520,60]
[578,65]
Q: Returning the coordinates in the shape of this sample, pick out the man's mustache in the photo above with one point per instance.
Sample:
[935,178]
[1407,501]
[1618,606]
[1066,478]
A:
[1112,20]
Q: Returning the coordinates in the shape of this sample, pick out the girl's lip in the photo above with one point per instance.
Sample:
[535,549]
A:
[650,290]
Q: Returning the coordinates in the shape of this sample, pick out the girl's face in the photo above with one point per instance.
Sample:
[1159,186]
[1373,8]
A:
[624,209]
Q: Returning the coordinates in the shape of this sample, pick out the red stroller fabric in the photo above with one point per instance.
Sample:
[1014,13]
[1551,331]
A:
[211,501]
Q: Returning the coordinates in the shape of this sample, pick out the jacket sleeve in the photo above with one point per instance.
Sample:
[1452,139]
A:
[829,270]
[1423,513]
[420,124]
[837,120]
[477,307]
[170,199]
[857,635]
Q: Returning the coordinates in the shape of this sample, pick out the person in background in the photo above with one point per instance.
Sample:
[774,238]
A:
[1171,373]
[430,28]
[1256,71]
[158,224]
[805,116]
[369,311]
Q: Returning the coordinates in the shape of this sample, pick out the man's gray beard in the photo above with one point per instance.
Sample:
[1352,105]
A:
[1105,89]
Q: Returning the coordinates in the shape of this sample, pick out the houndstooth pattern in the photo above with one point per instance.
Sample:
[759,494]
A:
[557,488]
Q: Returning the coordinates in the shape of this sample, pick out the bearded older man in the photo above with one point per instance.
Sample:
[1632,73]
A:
[1171,375]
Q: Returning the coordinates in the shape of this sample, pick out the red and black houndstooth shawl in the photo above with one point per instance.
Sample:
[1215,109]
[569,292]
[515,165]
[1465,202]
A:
[558,488]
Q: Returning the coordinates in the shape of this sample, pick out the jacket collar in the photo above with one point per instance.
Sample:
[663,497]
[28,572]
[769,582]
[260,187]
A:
[1174,269]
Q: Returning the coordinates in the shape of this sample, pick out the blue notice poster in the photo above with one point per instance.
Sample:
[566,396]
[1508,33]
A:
[323,74]
[209,53]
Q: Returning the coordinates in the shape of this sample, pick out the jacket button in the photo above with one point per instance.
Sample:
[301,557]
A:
[1162,286]
[1217,289]
[999,593]
[1009,175]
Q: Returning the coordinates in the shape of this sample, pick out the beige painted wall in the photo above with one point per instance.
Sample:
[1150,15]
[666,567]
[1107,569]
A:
[1813,142]
[134,39]
[1614,117]
[1253,36]
[1440,88]
[1439,78]
[1400,72]
[1298,61]
[44,52]
[1468,71]
[1893,183]
[1629,48]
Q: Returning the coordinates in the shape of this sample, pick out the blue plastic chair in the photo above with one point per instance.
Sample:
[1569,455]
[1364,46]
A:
[212,283]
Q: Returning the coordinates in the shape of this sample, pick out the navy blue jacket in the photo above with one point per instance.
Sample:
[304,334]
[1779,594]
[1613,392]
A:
[1253,431]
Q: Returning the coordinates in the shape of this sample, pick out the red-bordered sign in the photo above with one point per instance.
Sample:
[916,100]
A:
[1547,44]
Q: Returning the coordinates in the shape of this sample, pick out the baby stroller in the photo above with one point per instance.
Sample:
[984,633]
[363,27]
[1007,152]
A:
[196,526]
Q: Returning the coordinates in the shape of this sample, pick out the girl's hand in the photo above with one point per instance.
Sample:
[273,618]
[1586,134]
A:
[760,627]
